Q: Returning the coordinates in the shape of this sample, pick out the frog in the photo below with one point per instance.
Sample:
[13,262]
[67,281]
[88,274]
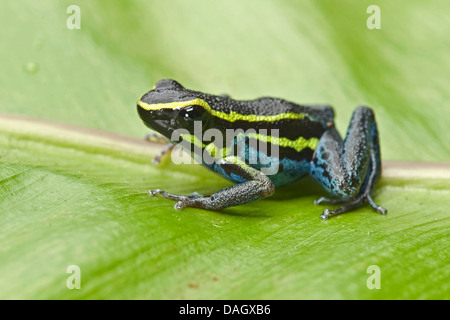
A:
[306,140]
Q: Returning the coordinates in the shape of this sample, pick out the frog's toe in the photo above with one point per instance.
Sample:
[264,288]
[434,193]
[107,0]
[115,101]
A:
[166,195]
[327,213]
[349,204]
[179,205]
[372,203]
[321,200]
[156,160]
[187,201]
[330,201]
[154,192]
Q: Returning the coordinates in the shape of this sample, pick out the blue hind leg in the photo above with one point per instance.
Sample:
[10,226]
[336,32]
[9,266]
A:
[349,169]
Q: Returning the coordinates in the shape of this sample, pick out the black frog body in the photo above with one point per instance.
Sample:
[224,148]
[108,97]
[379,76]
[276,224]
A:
[265,143]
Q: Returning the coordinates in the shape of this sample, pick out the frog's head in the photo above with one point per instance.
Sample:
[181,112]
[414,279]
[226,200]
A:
[169,106]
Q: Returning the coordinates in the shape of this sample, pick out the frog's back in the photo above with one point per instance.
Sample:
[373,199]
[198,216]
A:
[268,106]
[290,146]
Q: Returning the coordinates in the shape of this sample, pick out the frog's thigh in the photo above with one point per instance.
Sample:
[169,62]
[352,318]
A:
[341,167]
[256,186]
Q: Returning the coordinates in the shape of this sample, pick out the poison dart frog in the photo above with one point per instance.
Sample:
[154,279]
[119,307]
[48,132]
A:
[303,136]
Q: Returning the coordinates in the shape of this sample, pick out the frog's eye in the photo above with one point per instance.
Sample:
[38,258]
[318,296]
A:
[191,113]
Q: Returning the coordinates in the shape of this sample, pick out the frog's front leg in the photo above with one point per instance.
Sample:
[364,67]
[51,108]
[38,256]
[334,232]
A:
[167,149]
[349,169]
[256,186]
[155,137]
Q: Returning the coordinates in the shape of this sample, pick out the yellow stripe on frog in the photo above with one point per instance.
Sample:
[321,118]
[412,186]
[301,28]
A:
[231,117]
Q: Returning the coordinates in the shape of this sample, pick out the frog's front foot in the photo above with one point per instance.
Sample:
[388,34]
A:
[167,149]
[349,204]
[172,196]
[183,201]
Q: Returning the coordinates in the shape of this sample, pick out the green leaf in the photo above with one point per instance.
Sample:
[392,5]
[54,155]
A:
[73,197]
[77,196]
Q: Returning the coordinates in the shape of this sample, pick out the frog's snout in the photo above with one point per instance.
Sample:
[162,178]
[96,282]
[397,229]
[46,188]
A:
[160,120]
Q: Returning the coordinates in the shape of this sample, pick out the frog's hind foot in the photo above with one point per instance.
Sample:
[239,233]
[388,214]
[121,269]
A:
[372,203]
[329,201]
[349,169]
[349,204]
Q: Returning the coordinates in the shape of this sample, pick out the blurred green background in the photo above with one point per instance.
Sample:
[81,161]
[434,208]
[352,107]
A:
[304,51]
[86,203]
